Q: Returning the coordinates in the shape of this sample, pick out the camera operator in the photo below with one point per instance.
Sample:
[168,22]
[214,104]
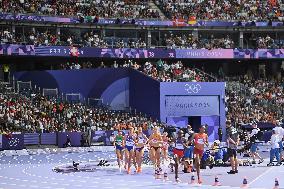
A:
[233,142]
[280,131]
[253,140]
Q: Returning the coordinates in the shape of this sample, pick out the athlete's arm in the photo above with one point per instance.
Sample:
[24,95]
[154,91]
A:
[192,138]
[206,141]
[160,141]
[149,140]
[124,141]
[145,137]
[230,140]
[135,139]
[185,144]
[114,143]
[238,140]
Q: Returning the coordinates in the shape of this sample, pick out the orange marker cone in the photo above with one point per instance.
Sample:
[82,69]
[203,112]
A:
[245,183]
[192,180]
[276,184]
[216,182]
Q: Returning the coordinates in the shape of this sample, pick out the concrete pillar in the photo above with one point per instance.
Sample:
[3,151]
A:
[241,40]
[195,33]
[149,38]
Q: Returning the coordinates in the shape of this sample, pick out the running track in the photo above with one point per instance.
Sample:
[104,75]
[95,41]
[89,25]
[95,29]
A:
[35,171]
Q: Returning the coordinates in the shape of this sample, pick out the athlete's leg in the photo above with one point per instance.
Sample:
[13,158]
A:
[158,157]
[176,158]
[151,155]
[134,159]
[118,155]
[197,166]
[153,152]
[127,159]
[236,161]
[131,158]
[121,154]
[140,160]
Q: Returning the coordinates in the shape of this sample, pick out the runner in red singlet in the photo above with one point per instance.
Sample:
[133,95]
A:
[199,140]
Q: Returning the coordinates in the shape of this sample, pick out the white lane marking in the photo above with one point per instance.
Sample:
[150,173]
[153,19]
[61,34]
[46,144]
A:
[261,175]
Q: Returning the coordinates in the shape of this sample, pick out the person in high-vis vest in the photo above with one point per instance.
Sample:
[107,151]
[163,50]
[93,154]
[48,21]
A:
[6,71]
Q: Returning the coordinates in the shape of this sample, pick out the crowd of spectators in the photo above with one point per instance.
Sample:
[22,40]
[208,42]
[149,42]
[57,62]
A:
[91,38]
[131,43]
[82,65]
[42,39]
[243,10]
[50,38]
[159,70]
[247,100]
[174,72]
[29,111]
[268,43]
[258,100]
[201,9]
[6,36]
[85,8]
[189,42]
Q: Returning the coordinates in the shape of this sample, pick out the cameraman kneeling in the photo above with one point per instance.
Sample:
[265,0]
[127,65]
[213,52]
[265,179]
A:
[253,148]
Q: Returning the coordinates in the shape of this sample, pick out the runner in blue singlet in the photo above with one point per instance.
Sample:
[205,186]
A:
[129,141]
[141,140]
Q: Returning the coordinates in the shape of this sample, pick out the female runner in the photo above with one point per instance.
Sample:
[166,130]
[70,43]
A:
[141,140]
[180,144]
[200,140]
[129,141]
[156,142]
[165,147]
[118,143]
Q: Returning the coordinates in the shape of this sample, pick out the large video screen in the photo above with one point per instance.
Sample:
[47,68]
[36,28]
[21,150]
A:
[192,106]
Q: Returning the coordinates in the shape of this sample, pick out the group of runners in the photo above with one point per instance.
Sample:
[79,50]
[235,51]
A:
[186,147]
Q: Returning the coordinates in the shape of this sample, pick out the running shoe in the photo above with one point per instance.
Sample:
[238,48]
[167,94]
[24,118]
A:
[185,171]
[278,164]
[236,171]
[253,162]
[261,161]
[270,164]
[231,172]
[178,180]
[246,155]
[199,181]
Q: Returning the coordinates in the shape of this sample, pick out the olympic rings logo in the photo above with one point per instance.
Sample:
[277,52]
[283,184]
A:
[14,142]
[192,88]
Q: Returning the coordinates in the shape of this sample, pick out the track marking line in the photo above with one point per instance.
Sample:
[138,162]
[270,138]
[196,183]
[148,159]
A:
[261,175]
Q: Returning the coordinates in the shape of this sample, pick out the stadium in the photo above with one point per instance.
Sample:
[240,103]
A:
[141,94]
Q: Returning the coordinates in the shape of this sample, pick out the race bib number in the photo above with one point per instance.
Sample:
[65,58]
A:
[128,143]
[200,141]
[179,146]
[154,141]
